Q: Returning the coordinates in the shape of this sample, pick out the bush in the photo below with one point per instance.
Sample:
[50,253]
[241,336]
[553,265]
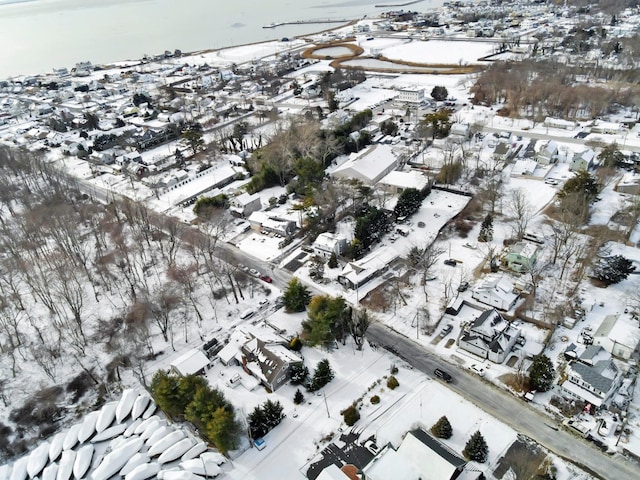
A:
[375,399]
[351,415]
[392,383]
[295,344]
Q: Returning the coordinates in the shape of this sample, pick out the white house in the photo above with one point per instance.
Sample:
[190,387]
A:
[397,181]
[420,456]
[548,154]
[593,378]
[496,291]
[582,160]
[618,334]
[245,204]
[369,165]
[551,122]
[355,274]
[191,363]
[490,336]
[327,243]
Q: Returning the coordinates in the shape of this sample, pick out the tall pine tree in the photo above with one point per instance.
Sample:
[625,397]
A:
[486,229]
[476,448]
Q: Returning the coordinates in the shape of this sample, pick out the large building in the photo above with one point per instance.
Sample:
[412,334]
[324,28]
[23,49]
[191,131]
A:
[490,336]
[369,165]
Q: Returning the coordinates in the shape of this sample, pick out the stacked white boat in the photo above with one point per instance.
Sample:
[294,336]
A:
[124,439]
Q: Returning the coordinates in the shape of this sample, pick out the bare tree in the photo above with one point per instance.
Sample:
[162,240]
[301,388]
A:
[358,322]
[521,210]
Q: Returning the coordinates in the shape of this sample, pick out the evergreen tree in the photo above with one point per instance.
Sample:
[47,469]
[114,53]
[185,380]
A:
[326,322]
[298,398]
[409,202]
[486,229]
[333,261]
[476,448]
[298,373]
[165,389]
[223,430]
[612,270]
[439,93]
[258,423]
[204,404]
[541,373]
[296,297]
[321,376]
[273,413]
[583,183]
[442,428]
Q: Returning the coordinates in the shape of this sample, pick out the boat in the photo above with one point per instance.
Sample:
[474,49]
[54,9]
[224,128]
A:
[165,443]
[38,459]
[208,468]
[144,424]
[141,472]
[176,451]
[19,470]
[65,468]
[113,462]
[194,451]
[109,433]
[88,426]
[216,457]
[49,473]
[107,414]
[140,405]
[138,459]
[83,461]
[151,409]
[157,433]
[132,428]
[152,428]
[71,438]
[55,449]
[178,475]
[125,404]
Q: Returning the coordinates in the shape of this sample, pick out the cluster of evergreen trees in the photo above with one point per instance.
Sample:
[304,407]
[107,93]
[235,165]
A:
[190,398]
[265,418]
[476,448]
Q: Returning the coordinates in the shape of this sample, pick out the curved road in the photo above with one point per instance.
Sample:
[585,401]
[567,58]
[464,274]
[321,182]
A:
[510,410]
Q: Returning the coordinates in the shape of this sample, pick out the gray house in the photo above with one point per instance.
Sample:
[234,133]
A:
[268,362]
[490,336]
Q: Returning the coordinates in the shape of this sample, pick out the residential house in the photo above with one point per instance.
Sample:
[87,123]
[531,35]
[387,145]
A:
[193,362]
[522,257]
[593,378]
[460,132]
[496,291]
[551,122]
[619,335]
[244,204]
[609,128]
[397,181]
[420,456]
[629,186]
[265,222]
[327,243]
[582,160]
[502,151]
[355,274]
[269,362]
[490,336]
[548,153]
[369,165]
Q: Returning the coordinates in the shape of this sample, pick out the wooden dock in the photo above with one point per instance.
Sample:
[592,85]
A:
[308,22]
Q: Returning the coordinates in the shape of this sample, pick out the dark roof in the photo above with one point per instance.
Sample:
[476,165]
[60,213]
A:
[592,375]
[442,450]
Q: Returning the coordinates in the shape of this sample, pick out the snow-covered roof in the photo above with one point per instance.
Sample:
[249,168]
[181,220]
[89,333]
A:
[357,272]
[191,362]
[619,329]
[524,249]
[368,165]
[405,180]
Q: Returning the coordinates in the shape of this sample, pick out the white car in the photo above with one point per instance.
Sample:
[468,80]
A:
[479,369]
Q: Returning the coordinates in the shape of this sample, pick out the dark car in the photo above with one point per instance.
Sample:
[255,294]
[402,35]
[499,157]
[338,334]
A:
[266,278]
[443,375]
[451,262]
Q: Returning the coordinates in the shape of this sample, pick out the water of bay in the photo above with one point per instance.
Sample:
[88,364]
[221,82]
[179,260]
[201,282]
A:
[38,35]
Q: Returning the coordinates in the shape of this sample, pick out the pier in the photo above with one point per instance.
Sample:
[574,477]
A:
[308,22]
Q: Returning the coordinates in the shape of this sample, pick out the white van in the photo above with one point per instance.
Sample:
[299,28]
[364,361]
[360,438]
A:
[250,312]
[233,381]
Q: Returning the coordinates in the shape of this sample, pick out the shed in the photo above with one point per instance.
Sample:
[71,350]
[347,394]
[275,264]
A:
[191,363]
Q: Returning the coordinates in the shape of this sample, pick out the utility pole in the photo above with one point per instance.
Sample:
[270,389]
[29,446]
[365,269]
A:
[326,404]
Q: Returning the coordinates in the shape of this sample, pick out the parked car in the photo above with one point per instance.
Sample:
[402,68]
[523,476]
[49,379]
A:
[446,330]
[451,262]
[463,287]
[263,303]
[266,278]
[479,369]
[443,375]
[254,272]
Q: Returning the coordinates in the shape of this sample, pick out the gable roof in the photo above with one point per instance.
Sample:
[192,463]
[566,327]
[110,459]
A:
[600,376]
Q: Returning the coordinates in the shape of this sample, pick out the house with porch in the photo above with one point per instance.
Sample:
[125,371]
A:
[593,377]
[269,362]
[496,291]
[355,274]
[490,336]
